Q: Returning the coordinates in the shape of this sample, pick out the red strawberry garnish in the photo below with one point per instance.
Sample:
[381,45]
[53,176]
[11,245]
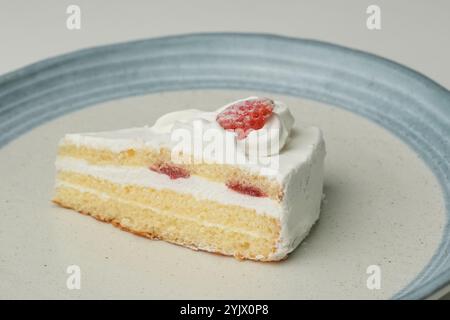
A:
[245,116]
[173,171]
[246,189]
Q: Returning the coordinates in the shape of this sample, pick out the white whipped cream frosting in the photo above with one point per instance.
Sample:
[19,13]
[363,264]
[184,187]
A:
[273,136]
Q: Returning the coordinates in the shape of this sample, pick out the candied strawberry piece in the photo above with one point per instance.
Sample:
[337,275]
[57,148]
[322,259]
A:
[171,170]
[246,189]
[244,116]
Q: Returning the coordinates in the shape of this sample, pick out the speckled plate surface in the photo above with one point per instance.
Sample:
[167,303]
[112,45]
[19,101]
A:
[387,169]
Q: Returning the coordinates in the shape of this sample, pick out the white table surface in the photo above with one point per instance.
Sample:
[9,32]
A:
[413,32]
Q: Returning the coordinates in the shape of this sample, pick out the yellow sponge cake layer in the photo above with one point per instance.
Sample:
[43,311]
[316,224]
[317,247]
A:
[173,217]
[183,205]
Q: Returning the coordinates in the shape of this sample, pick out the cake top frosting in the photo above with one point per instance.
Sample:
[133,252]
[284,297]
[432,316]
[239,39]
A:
[265,150]
[272,135]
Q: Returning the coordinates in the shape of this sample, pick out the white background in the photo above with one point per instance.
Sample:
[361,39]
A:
[415,33]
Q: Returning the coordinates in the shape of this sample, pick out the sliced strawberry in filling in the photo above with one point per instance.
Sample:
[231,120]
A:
[171,170]
[246,189]
[176,172]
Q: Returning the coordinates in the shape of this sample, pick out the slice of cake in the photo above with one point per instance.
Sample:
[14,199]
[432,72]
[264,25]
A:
[240,181]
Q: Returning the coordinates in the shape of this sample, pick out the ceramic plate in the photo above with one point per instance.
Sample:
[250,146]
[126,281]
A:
[386,179]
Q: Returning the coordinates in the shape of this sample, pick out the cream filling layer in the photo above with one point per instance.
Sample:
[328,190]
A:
[198,187]
[106,197]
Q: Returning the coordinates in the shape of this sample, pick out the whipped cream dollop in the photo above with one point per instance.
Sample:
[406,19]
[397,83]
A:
[273,136]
